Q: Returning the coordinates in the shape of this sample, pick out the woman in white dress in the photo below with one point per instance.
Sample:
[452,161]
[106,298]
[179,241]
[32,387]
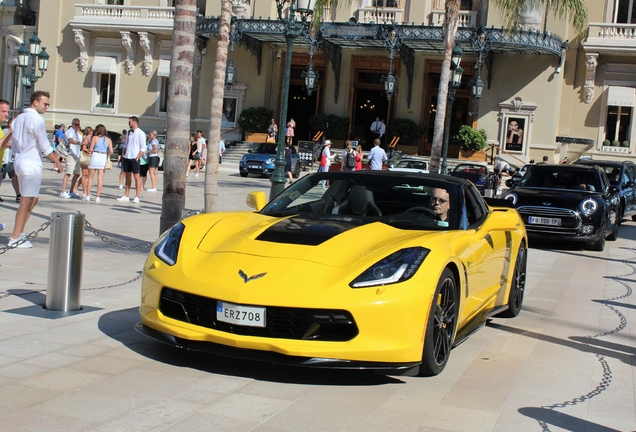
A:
[101,148]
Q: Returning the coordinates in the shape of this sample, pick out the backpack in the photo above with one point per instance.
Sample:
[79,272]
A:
[350,162]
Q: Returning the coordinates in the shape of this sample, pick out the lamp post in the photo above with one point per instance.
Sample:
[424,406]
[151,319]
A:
[453,85]
[24,55]
[292,29]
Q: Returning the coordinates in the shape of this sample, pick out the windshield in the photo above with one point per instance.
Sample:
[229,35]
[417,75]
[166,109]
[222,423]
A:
[265,149]
[561,177]
[412,164]
[405,202]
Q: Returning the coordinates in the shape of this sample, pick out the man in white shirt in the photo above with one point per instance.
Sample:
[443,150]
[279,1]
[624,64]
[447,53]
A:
[377,156]
[203,151]
[72,138]
[29,143]
[135,147]
[375,128]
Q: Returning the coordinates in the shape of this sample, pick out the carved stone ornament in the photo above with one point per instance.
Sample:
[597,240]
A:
[127,43]
[81,36]
[13,44]
[146,41]
[591,63]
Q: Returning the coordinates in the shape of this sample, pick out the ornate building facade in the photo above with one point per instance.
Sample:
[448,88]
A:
[568,93]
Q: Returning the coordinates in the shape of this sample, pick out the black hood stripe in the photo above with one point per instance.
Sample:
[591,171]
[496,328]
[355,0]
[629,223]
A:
[310,231]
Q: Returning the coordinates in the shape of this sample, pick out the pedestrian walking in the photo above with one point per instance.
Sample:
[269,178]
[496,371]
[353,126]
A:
[71,153]
[29,144]
[153,160]
[325,161]
[100,149]
[377,156]
[135,146]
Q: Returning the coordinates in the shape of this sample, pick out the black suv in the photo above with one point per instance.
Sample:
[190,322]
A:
[621,174]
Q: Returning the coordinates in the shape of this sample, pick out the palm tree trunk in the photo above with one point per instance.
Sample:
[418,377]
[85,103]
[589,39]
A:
[211,189]
[451,23]
[178,116]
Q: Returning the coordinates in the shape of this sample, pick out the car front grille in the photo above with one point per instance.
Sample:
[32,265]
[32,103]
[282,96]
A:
[254,162]
[570,220]
[281,322]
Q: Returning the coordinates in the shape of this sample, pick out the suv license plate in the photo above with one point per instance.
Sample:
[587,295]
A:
[241,315]
[544,221]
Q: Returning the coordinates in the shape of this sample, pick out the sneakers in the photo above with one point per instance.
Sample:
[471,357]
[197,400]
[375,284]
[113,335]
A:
[64,195]
[97,199]
[26,245]
[196,175]
[2,226]
[136,200]
[123,199]
[151,190]
[121,187]
[186,174]
[74,195]
[86,198]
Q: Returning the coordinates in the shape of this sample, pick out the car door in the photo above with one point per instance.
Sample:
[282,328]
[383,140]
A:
[488,253]
[629,189]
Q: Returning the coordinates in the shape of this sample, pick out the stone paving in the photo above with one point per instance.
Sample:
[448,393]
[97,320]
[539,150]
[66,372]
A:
[565,364]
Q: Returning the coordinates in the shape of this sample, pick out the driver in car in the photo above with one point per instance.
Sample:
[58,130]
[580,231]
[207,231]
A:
[440,203]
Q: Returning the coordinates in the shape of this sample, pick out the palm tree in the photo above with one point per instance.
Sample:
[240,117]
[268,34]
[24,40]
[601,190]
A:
[211,186]
[575,9]
[178,115]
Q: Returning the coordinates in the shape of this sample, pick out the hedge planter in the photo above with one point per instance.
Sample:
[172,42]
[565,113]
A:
[472,155]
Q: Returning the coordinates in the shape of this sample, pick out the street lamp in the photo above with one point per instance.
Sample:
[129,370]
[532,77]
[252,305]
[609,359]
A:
[234,37]
[292,29]
[392,43]
[453,85]
[24,55]
[478,88]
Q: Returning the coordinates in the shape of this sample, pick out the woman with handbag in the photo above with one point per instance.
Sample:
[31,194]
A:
[101,148]
[195,155]
[84,160]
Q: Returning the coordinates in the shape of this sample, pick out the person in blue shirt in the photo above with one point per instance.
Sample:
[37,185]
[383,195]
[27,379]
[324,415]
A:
[59,136]
[377,155]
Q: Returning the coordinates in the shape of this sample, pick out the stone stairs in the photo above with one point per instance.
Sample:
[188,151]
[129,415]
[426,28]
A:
[234,153]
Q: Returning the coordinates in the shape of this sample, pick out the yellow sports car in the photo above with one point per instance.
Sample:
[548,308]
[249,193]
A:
[380,270]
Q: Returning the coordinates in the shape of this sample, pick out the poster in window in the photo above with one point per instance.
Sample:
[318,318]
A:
[515,134]
[228,120]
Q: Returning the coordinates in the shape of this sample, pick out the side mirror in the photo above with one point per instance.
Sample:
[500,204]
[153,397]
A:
[249,150]
[256,200]
[510,184]
[630,184]
[613,190]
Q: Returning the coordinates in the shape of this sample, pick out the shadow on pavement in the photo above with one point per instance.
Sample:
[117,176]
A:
[119,325]
[566,422]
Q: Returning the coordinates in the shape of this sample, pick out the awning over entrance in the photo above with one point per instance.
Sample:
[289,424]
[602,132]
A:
[104,65]
[164,68]
[333,37]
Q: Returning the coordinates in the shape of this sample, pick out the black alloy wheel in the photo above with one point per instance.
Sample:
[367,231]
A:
[517,285]
[442,323]
[614,235]
[296,172]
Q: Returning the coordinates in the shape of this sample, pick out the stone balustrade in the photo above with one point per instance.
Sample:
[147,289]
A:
[612,31]
[608,38]
[380,15]
[466,18]
[109,12]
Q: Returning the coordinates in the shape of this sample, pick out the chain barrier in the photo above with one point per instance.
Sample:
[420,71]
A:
[607,372]
[32,235]
[6,294]
[113,243]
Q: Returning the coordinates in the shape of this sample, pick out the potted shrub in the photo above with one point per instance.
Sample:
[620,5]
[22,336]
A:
[254,123]
[335,127]
[607,142]
[472,143]
[625,144]
[408,131]
[616,143]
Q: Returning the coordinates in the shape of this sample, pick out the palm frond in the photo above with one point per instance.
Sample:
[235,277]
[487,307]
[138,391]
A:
[576,9]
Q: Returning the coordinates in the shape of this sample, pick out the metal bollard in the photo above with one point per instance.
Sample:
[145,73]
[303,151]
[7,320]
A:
[66,249]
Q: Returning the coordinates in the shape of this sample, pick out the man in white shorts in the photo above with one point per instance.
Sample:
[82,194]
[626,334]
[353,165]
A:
[29,143]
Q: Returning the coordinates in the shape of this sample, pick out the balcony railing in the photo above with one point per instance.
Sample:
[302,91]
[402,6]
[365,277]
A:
[466,18]
[380,15]
[100,12]
[611,38]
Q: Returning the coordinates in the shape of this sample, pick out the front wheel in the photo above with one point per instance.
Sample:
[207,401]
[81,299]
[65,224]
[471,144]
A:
[614,235]
[441,326]
[517,286]
[296,172]
[243,174]
[599,245]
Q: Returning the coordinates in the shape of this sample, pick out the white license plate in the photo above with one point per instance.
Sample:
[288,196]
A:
[544,221]
[241,315]
[255,167]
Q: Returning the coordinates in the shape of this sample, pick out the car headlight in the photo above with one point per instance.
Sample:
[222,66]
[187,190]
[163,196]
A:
[271,161]
[511,197]
[397,267]
[589,206]
[168,246]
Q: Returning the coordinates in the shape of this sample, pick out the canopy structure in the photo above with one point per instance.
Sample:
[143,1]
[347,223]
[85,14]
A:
[333,37]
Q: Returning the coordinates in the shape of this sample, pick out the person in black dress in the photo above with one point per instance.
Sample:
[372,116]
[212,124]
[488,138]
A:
[288,162]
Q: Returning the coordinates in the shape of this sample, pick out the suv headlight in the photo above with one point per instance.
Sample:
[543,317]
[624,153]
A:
[271,161]
[589,206]
[511,197]
[168,245]
[397,267]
